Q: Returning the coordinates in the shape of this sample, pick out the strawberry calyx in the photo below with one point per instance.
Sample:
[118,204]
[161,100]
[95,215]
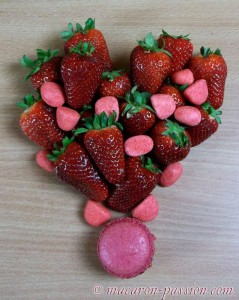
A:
[212,112]
[177,133]
[181,88]
[70,32]
[28,101]
[35,65]
[98,122]
[59,150]
[83,49]
[148,164]
[149,44]
[205,52]
[111,75]
[166,34]
[135,102]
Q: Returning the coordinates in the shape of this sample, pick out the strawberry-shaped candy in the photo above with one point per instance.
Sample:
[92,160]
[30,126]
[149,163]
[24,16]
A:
[212,67]
[90,35]
[140,180]
[137,116]
[171,142]
[104,142]
[47,67]
[81,71]
[180,48]
[173,91]
[208,125]
[150,65]
[38,122]
[115,83]
[74,166]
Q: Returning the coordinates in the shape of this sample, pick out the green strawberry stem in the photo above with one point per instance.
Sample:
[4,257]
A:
[205,52]
[35,65]
[70,32]
[83,49]
[148,164]
[58,151]
[99,122]
[151,45]
[28,101]
[111,75]
[135,102]
[212,112]
[165,34]
[181,88]
[177,133]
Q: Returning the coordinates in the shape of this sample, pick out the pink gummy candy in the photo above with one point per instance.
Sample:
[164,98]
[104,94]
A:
[147,210]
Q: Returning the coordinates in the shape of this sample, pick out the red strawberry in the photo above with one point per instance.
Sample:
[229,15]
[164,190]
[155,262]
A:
[150,65]
[139,182]
[174,92]
[171,142]
[90,35]
[47,67]
[212,67]
[180,48]
[137,116]
[115,83]
[74,166]
[207,126]
[38,122]
[81,72]
[104,142]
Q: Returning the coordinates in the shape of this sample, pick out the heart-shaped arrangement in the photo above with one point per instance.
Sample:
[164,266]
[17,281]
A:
[114,136]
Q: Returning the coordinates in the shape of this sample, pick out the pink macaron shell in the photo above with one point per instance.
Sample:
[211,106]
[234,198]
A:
[147,210]
[96,214]
[108,104]
[183,77]
[138,145]
[171,174]
[126,247]
[197,92]
[188,115]
[67,118]
[164,105]
[52,93]
[43,161]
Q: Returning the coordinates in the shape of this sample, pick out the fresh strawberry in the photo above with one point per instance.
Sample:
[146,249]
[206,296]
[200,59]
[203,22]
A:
[38,122]
[180,48]
[140,180]
[171,142]
[137,116]
[74,166]
[212,67]
[47,67]
[104,142]
[115,83]
[173,91]
[81,71]
[150,65]
[207,126]
[90,35]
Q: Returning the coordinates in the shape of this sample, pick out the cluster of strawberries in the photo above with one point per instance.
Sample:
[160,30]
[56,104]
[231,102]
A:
[114,136]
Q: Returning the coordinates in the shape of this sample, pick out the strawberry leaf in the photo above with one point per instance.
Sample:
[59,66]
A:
[58,151]
[177,133]
[165,34]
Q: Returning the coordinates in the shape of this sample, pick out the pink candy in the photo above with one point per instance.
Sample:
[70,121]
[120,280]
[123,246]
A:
[96,214]
[183,77]
[67,118]
[107,104]
[43,161]
[197,92]
[164,105]
[147,210]
[188,115]
[53,94]
[171,174]
[138,145]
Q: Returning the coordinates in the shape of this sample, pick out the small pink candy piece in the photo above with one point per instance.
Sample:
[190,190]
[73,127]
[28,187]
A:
[107,104]
[197,92]
[147,210]
[138,145]
[164,105]
[171,174]
[188,115]
[43,161]
[96,214]
[53,94]
[183,77]
[67,118]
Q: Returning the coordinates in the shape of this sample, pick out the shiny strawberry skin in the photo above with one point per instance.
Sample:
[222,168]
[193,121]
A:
[149,69]
[106,147]
[213,69]
[118,87]
[174,92]
[165,149]
[39,124]
[50,71]
[81,76]
[180,49]
[75,167]
[138,123]
[138,184]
